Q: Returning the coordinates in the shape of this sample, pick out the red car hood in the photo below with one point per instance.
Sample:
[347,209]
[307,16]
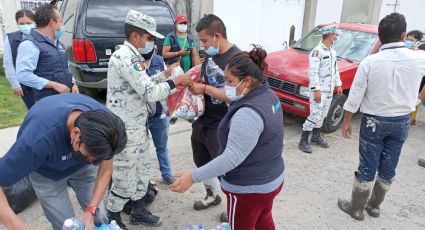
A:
[292,65]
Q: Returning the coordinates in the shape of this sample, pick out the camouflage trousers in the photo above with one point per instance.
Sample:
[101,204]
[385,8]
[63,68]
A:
[131,170]
[318,111]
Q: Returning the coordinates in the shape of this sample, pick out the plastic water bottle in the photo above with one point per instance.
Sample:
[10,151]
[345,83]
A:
[215,77]
[196,227]
[222,226]
[102,227]
[73,224]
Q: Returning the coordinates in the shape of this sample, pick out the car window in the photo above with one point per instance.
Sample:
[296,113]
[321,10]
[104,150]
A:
[68,14]
[114,12]
[351,44]
[359,47]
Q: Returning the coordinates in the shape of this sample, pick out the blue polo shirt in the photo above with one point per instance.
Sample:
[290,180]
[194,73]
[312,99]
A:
[43,143]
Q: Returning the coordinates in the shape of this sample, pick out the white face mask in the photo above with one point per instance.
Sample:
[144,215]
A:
[26,29]
[231,92]
[148,47]
[182,28]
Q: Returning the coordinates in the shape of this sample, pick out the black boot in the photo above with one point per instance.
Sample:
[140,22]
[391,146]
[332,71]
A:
[316,139]
[378,195]
[117,217]
[304,145]
[128,207]
[140,215]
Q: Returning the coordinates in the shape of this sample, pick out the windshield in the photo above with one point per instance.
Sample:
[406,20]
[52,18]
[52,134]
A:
[351,44]
[108,16]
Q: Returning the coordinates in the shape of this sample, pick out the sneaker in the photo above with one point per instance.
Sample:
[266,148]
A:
[169,179]
[207,202]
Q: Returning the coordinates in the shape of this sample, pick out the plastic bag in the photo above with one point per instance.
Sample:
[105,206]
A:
[189,106]
[20,195]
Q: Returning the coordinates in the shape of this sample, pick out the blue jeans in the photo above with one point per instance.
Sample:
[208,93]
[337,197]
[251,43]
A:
[381,140]
[159,131]
[54,198]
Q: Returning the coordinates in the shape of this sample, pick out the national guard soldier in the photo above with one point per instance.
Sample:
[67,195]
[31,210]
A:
[324,76]
[130,90]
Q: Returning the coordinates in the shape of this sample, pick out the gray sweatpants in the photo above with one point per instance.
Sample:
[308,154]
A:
[54,198]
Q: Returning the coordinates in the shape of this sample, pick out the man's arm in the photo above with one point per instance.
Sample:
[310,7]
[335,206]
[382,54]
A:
[7,216]
[358,89]
[313,70]
[346,125]
[104,175]
[219,93]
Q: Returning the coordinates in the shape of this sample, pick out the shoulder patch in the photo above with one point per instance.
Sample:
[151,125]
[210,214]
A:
[315,53]
[139,66]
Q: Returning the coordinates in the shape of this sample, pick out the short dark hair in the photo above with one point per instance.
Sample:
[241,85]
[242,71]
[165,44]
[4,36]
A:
[24,13]
[211,24]
[129,29]
[251,63]
[391,28]
[324,36]
[102,132]
[43,14]
[416,34]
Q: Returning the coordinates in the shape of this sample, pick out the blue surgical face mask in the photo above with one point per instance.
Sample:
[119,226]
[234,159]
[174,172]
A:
[231,92]
[148,47]
[409,44]
[212,51]
[26,29]
[60,32]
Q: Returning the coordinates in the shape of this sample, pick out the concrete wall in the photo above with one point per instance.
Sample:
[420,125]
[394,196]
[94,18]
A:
[413,10]
[328,11]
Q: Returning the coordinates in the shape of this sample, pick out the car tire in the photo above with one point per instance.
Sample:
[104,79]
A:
[335,116]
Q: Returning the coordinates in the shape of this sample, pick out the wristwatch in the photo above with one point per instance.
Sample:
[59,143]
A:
[93,210]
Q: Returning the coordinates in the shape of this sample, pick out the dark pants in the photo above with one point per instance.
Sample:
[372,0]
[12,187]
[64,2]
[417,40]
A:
[381,140]
[251,211]
[28,97]
[204,143]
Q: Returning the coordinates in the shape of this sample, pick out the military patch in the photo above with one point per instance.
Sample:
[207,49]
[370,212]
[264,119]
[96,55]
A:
[315,53]
[139,66]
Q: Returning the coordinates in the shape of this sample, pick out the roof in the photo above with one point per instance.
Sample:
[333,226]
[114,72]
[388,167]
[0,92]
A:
[355,26]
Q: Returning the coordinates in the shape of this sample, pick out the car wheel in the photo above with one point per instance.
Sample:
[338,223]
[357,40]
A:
[335,115]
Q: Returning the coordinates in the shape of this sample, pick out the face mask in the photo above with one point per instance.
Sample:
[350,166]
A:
[212,51]
[231,92]
[409,44]
[26,29]
[182,28]
[148,48]
[149,55]
[61,32]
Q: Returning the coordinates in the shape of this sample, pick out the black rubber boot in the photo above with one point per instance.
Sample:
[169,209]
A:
[140,215]
[304,145]
[128,207]
[359,197]
[316,139]
[117,217]
[378,195]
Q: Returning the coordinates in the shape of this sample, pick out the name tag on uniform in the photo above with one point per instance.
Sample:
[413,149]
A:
[325,57]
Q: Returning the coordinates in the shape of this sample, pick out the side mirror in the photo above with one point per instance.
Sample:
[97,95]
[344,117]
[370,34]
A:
[292,43]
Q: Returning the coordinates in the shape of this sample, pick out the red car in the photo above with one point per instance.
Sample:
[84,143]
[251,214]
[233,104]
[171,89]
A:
[287,71]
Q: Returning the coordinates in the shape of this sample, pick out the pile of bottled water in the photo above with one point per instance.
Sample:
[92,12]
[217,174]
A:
[76,224]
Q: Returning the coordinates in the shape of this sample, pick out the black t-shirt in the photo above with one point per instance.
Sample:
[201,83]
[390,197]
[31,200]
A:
[215,112]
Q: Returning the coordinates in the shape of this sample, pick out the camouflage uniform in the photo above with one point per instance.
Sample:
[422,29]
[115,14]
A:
[323,74]
[129,91]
